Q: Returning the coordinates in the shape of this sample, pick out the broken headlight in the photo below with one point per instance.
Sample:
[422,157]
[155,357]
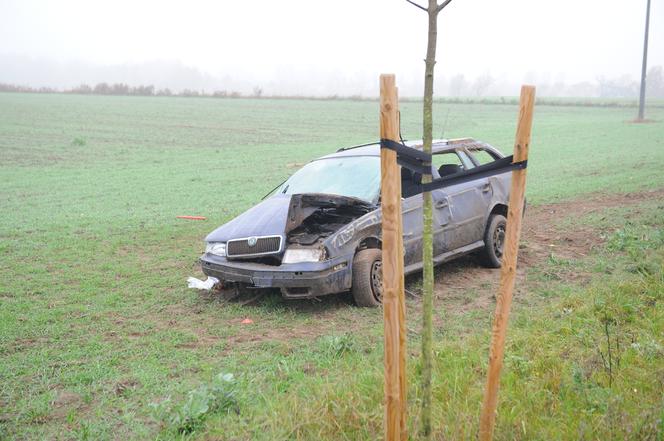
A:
[216,248]
[299,255]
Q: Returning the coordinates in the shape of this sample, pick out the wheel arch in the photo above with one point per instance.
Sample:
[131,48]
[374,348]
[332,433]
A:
[369,242]
[498,208]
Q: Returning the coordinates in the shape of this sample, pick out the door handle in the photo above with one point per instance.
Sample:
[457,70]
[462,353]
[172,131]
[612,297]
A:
[486,188]
[442,204]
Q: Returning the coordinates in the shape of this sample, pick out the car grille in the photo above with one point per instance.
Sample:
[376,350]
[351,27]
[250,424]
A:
[263,245]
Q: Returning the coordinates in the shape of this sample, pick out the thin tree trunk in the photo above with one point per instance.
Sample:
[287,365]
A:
[427,237]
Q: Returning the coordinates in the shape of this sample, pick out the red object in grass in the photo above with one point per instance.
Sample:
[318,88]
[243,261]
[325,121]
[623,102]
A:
[192,217]
[247,321]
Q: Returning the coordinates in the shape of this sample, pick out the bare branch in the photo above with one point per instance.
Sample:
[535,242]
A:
[442,5]
[415,4]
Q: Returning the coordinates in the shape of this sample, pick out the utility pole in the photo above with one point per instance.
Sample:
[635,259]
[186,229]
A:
[642,94]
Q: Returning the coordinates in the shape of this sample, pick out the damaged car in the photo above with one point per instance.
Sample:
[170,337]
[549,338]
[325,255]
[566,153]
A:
[319,232]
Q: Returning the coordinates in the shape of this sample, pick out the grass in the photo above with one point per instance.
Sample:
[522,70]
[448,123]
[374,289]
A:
[96,322]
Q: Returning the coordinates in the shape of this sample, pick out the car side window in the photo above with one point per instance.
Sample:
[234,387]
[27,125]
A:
[411,183]
[450,162]
[483,156]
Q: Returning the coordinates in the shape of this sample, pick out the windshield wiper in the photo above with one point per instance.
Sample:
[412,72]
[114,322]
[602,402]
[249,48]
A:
[270,192]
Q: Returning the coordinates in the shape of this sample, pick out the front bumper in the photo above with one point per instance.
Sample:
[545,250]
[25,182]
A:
[296,280]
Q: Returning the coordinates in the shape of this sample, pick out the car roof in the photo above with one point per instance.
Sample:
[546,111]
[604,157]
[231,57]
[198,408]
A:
[438,146]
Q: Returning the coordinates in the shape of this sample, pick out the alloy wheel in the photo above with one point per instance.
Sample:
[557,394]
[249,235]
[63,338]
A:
[377,280]
[499,240]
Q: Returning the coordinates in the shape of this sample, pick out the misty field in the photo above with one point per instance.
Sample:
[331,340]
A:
[101,339]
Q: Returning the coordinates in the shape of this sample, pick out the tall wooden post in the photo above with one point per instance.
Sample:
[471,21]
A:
[393,279]
[508,268]
[403,386]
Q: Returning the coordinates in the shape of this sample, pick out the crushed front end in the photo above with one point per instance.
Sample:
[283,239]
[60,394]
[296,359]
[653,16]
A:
[284,243]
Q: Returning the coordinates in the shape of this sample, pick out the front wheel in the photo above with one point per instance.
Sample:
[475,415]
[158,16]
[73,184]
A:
[494,241]
[368,277]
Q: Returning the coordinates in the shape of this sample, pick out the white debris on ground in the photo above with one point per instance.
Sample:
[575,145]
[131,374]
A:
[207,285]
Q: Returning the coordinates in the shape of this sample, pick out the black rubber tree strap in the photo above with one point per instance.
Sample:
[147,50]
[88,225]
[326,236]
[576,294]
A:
[499,166]
[410,158]
[420,162]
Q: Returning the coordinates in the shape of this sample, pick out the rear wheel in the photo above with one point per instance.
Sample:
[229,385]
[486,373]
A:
[368,277]
[494,241]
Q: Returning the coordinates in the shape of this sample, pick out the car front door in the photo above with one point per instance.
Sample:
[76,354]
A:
[411,208]
[442,220]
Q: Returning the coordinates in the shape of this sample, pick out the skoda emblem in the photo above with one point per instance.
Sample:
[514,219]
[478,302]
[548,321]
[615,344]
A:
[252,241]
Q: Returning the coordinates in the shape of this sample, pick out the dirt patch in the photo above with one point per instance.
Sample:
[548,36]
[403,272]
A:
[202,340]
[123,388]
[465,285]
[327,315]
[258,334]
[64,403]
[22,344]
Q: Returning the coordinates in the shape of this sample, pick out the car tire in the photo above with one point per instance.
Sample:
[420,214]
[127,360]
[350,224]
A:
[494,241]
[368,277]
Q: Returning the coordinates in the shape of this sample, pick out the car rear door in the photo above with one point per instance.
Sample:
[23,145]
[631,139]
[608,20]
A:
[461,208]
[493,187]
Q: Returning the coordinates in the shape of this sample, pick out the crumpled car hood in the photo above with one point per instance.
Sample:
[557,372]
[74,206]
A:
[265,219]
[280,214]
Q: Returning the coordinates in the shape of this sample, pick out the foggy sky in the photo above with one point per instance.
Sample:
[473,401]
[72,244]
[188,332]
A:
[316,47]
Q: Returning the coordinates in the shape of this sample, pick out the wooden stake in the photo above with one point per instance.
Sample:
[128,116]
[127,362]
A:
[403,386]
[508,268]
[392,256]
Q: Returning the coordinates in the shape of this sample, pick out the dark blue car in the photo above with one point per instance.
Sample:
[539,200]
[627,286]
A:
[319,232]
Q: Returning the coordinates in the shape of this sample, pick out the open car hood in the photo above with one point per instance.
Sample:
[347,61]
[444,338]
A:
[281,214]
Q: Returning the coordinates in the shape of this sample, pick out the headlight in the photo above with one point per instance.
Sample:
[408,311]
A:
[298,255]
[216,248]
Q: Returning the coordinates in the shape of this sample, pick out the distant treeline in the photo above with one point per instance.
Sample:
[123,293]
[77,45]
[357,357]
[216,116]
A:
[126,90]
[121,89]
[547,101]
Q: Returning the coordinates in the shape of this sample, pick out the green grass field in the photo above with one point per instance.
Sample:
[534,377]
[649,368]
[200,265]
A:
[97,326]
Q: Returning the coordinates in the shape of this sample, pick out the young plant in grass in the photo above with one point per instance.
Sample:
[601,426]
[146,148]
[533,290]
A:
[217,396]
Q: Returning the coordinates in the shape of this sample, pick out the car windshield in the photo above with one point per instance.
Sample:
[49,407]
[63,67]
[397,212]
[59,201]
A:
[354,176]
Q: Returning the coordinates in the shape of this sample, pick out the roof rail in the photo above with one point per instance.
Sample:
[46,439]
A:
[452,141]
[460,140]
[357,146]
